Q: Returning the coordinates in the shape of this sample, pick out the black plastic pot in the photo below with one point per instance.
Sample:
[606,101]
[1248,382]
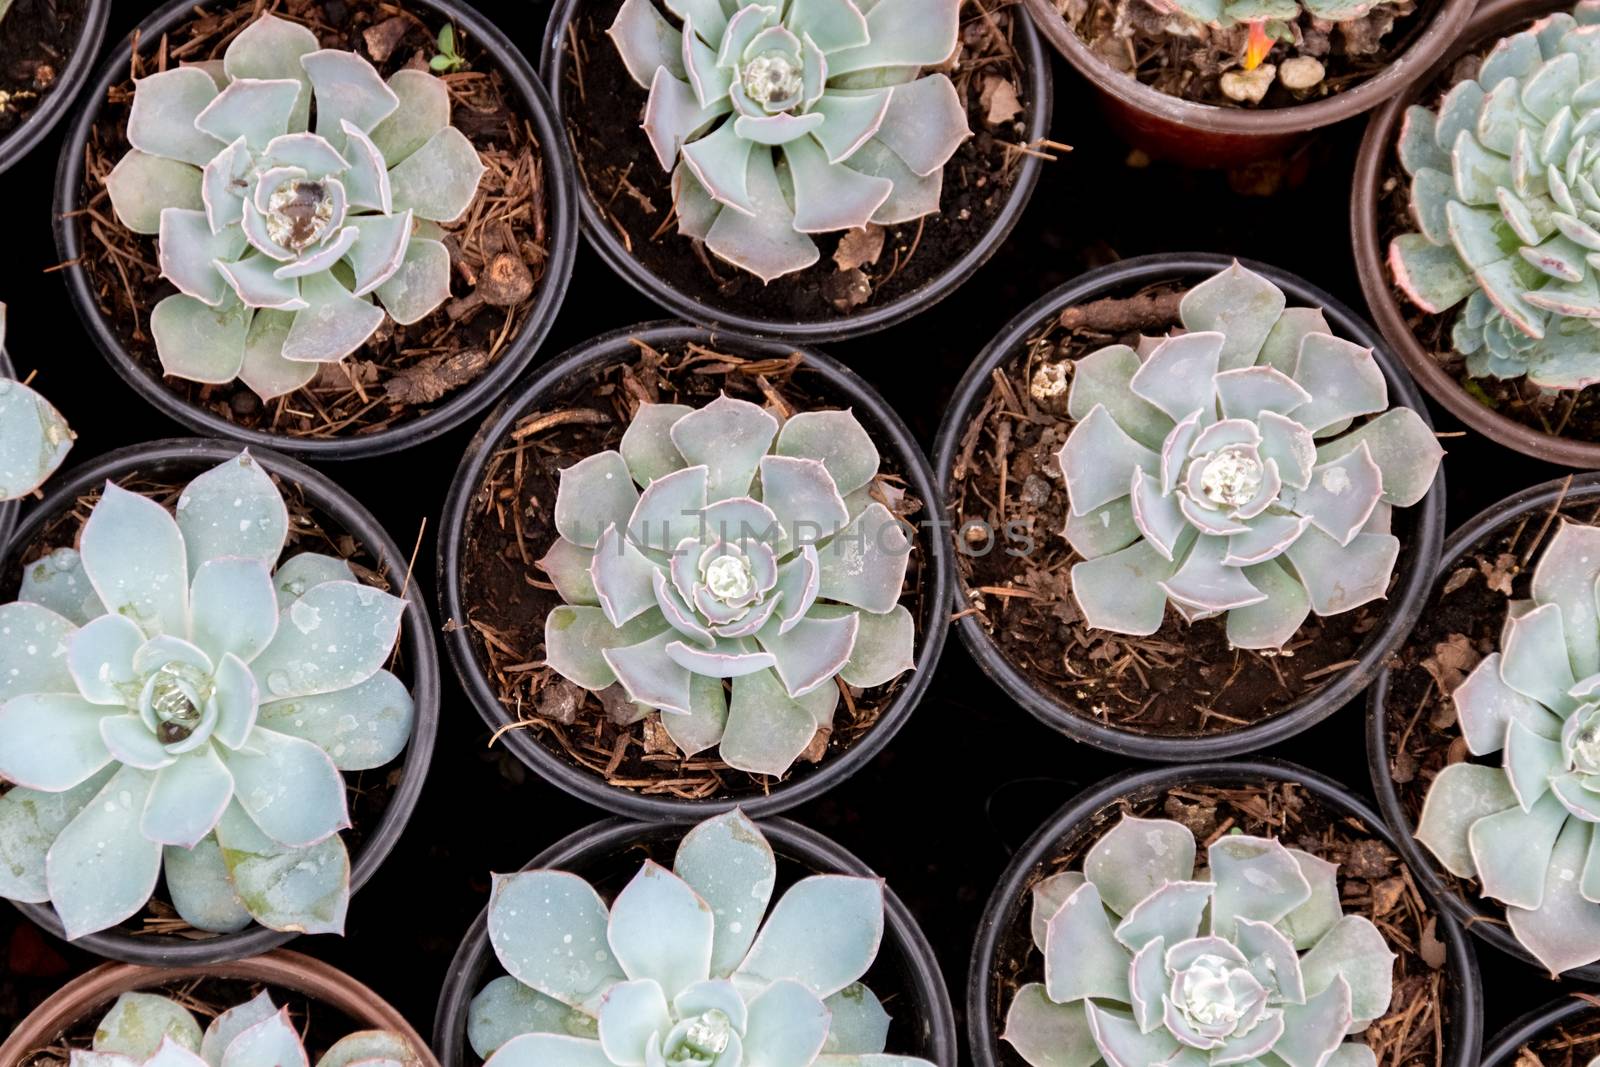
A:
[190,456]
[1502,1051]
[561,197]
[616,845]
[22,140]
[1481,917]
[894,440]
[1090,812]
[605,241]
[1417,557]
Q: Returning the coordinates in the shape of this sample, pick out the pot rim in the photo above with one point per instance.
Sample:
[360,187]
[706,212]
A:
[1504,1045]
[890,434]
[1493,17]
[1468,912]
[289,970]
[16,145]
[561,195]
[1008,902]
[805,845]
[1436,36]
[605,242]
[416,638]
[1415,579]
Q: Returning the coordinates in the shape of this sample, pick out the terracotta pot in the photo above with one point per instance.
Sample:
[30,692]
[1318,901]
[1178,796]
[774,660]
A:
[1494,19]
[95,991]
[1204,135]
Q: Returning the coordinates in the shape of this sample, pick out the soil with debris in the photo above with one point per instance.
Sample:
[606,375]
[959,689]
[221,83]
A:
[318,1024]
[510,527]
[310,530]
[498,250]
[857,270]
[1570,413]
[37,39]
[1574,1043]
[1174,55]
[1184,680]
[1459,626]
[1373,882]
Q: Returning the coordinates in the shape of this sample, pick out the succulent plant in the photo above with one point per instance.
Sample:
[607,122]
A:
[1267,21]
[276,238]
[835,86]
[34,438]
[152,1030]
[1277,976]
[1213,469]
[168,701]
[1525,830]
[1503,195]
[681,970]
[753,553]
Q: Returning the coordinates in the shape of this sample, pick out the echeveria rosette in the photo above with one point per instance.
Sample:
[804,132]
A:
[1217,470]
[169,702]
[1525,829]
[753,553]
[1503,194]
[795,117]
[1247,961]
[152,1030]
[279,239]
[34,438]
[686,968]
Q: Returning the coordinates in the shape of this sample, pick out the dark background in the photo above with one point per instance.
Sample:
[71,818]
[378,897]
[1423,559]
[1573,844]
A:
[970,777]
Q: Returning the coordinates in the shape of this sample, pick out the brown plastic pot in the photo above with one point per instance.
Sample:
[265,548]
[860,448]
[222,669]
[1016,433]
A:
[1495,18]
[95,991]
[1204,135]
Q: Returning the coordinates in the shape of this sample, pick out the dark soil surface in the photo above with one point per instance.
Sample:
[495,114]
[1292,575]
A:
[1372,882]
[510,527]
[320,1026]
[1460,625]
[603,105]
[1183,680]
[310,530]
[37,38]
[1571,413]
[497,249]
[1131,36]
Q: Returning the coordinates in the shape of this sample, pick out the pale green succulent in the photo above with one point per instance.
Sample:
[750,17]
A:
[1504,180]
[1525,830]
[1247,961]
[1213,470]
[837,87]
[169,701]
[151,1030]
[34,438]
[5,5]
[754,553]
[686,968]
[276,238]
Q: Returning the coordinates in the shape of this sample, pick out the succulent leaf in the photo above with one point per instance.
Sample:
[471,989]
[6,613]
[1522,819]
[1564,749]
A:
[1145,965]
[1194,473]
